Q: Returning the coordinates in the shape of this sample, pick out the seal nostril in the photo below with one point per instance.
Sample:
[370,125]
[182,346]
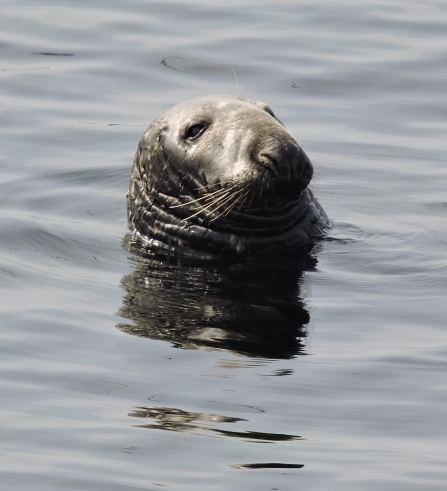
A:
[265,160]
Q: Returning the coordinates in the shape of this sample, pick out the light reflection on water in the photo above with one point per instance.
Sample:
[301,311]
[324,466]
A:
[355,363]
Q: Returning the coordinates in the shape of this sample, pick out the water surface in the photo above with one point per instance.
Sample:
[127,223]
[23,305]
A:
[121,370]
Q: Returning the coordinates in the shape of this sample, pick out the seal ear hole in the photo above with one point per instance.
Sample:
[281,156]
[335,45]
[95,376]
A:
[195,130]
[265,108]
[268,110]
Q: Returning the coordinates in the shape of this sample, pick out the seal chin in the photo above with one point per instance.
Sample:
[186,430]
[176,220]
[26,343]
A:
[222,175]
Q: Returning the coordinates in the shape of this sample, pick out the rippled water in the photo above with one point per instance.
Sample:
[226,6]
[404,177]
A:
[121,370]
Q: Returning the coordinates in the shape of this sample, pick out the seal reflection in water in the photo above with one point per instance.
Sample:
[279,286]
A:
[249,306]
[221,175]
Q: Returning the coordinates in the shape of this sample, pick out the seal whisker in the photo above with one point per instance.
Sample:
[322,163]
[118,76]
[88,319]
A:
[242,201]
[225,198]
[241,197]
[209,205]
[225,201]
[188,203]
[251,201]
[219,192]
[219,198]
[207,196]
[235,202]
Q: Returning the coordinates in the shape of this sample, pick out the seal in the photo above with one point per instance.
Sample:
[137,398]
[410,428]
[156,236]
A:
[222,175]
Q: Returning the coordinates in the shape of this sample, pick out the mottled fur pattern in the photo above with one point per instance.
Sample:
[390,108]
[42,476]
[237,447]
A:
[240,187]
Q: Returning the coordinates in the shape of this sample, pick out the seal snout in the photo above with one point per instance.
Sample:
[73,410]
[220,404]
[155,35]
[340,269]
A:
[288,169]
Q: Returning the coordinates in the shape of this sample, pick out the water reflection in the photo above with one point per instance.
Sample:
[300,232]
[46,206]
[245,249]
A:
[269,465]
[251,307]
[173,419]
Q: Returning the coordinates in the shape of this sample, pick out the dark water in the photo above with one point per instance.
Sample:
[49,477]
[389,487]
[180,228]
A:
[124,371]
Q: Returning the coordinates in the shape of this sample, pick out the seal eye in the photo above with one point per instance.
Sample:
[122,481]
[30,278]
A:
[195,131]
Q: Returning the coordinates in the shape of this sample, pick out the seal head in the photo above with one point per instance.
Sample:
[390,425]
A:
[222,175]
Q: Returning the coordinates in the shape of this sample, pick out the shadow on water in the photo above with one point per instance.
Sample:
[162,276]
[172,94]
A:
[248,306]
